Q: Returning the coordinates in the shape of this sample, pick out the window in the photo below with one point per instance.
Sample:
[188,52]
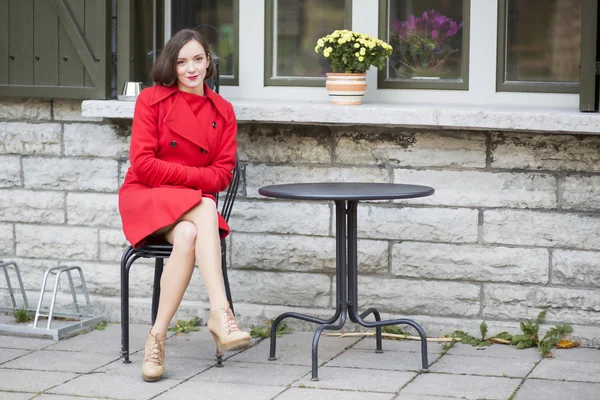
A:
[430,39]
[217,21]
[539,45]
[292,29]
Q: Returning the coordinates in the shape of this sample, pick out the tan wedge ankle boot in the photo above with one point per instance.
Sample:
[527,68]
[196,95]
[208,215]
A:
[153,366]
[226,331]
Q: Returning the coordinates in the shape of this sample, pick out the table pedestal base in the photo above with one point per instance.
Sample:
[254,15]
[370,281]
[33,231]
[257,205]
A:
[346,293]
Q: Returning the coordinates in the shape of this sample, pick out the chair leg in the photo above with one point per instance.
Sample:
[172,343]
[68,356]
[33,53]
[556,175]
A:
[225,277]
[125,304]
[158,270]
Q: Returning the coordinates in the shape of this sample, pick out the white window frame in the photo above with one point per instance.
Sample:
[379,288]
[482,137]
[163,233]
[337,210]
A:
[365,16]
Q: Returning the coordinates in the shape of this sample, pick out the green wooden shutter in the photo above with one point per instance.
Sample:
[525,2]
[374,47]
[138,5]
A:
[55,48]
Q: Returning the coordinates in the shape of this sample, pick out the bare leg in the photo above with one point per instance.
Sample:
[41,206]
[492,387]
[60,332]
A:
[176,275]
[208,250]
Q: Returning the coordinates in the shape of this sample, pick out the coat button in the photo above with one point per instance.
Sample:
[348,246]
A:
[203,151]
[173,144]
[214,124]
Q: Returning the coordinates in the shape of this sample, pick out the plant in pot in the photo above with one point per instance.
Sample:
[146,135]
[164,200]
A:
[422,45]
[350,54]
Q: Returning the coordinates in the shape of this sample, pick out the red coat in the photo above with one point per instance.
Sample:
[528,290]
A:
[176,159]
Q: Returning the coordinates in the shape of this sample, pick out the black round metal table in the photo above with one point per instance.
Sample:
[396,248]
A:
[346,197]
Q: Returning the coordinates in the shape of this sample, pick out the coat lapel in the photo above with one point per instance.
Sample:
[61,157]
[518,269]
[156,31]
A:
[181,120]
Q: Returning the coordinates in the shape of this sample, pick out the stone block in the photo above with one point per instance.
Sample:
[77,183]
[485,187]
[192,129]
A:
[104,279]
[112,244]
[27,206]
[25,109]
[89,140]
[427,224]
[71,174]
[482,189]
[577,268]
[563,305]
[581,193]
[281,217]
[546,152]
[7,240]
[411,148]
[11,171]
[263,175]
[411,297]
[469,262]
[27,138]
[123,167]
[301,253]
[57,242]
[277,143]
[32,273]
[533,228]
[70,110]
[292,289]
[567,370]
[93,209]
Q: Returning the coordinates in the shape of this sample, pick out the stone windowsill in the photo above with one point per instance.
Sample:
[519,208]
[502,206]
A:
[443,116]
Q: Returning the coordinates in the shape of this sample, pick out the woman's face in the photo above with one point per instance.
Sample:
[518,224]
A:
[191,66]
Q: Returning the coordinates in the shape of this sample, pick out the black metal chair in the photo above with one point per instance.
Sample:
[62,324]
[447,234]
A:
[161,250]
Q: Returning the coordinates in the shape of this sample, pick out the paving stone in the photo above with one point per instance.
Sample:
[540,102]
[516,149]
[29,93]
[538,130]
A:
[195,345]
[321,394]
[253,374]
[55,397]
[17,396]
[388,360]
[497,351]
[10,354]
[490,366]
[295,349]
[463,386]
[32,381]
[567,370]
[117,387]
[64,361]
[422,397]
[27,343]
[580,354]
[105,341]
[534,389]
[175,367]
[413,346]
[219,391]
[364,380]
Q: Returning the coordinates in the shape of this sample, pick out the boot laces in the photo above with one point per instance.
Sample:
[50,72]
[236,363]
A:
[154,352]
[231,324]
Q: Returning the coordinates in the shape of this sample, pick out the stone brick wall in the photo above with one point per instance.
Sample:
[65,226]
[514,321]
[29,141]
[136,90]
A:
[513,228]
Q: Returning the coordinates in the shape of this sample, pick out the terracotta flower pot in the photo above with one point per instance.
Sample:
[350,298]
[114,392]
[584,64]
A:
[346,89]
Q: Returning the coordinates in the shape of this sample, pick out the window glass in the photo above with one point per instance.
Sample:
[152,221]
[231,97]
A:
[543,39]
[214,20]
[296,28]
[427,38]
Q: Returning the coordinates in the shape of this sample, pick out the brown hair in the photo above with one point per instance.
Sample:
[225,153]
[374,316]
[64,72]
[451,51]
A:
[163,71]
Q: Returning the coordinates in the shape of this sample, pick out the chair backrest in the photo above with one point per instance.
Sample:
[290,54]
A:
[231,191]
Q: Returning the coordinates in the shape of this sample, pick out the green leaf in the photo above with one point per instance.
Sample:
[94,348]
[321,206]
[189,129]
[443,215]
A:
[483,328]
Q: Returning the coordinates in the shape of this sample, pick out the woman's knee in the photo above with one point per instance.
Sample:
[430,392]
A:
[184,234]
[205,211]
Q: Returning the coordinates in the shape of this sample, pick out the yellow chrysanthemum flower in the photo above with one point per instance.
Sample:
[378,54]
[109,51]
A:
[361,58]
[356,45]
[362,51]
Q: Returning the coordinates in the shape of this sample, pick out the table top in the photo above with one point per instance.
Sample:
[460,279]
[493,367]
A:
[346,191]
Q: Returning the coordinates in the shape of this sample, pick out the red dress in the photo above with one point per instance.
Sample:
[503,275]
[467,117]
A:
[183,148]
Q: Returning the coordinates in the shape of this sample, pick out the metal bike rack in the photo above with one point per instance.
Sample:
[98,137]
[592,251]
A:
[74,321]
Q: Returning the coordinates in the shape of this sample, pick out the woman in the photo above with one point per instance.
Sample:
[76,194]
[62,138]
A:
[182,153]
